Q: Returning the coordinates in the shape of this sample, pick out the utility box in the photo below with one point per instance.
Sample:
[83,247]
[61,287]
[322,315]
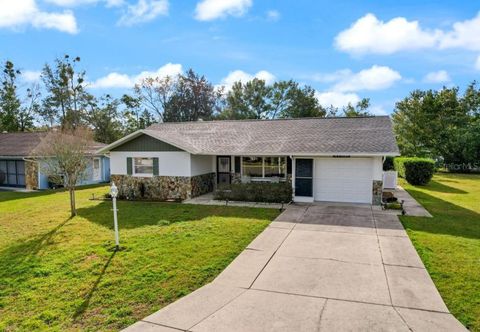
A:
[390,180]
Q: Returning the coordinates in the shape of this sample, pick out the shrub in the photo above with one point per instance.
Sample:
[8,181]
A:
[256,192]
[388,164]
[417,171]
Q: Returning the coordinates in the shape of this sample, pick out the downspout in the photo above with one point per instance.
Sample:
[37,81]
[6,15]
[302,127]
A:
[293,177]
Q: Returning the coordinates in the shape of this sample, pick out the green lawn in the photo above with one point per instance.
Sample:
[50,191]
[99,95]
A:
[449,243]
[61,274]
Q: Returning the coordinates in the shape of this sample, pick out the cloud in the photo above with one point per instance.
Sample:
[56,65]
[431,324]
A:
[75,3]
[465,35]
[21,13]
[273,15]
[377,110]
[330,77]
[208,10]
[374,78]
[31,75]
[440,76]
[124,81]
[477,63]
[337,99]
[369,35]
[240,75]
[143,11]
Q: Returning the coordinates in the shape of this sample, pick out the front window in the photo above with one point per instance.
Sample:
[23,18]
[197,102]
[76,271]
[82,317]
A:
[252,166]
[274,167]
[143,166]
[264,167]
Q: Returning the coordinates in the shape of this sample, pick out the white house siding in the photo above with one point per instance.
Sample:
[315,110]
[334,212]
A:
[170,163]
[378,168]
[202,164]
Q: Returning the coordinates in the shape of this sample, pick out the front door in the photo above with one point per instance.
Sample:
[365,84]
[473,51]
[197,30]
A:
[223,169]
[97,170]
[304,177]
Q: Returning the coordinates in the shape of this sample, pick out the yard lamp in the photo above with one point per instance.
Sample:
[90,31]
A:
[114,193]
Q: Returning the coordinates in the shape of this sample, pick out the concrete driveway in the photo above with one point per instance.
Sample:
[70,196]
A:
[322,267]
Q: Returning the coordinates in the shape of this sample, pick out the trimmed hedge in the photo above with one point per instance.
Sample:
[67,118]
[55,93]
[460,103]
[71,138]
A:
[256,192]
[417,171]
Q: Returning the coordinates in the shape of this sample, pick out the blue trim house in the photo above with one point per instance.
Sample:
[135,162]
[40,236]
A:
[18,169]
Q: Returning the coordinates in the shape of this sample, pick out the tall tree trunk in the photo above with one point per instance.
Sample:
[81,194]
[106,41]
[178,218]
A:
[73,210]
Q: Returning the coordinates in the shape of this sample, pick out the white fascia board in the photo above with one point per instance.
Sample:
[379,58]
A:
[303,154]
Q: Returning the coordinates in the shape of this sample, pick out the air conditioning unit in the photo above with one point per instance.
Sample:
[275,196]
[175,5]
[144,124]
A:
[390,180]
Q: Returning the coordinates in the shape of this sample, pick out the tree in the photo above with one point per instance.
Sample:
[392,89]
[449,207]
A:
[30,107]
[64,157]
[298,102]
[440,124]
[257,100]
[360,109]
[103,117]
[67,98]
[248,100]
[193,98]
[134,117]
[9,101]
[153,94]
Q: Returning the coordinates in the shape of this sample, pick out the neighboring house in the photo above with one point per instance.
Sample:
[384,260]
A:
[18,169]
[325,159]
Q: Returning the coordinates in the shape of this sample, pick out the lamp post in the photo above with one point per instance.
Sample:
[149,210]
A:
[114,193]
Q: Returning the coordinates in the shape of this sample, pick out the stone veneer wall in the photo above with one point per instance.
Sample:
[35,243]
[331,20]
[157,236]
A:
[31,175]
[163,187]
[155,188]
[377,192]
[202,184]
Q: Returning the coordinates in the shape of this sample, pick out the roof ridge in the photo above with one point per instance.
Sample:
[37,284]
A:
[273,120]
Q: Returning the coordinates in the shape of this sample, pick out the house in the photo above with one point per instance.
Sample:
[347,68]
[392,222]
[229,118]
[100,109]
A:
[324,159]
[18,169]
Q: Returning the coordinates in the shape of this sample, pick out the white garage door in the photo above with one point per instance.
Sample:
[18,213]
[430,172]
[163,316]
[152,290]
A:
[343,180]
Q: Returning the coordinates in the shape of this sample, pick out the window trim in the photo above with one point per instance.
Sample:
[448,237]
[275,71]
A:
[263,177]
[134,172]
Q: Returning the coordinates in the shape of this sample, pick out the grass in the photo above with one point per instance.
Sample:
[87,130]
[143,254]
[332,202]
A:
[61,274]
[449,243]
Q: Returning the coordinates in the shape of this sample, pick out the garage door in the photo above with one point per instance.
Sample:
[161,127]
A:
[343,180]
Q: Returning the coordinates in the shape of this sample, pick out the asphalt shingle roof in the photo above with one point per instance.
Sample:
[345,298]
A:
[23,144]
[363,135]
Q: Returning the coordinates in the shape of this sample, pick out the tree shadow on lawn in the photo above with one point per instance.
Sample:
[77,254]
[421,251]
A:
[86,302]
[448,218]
[139,214]
[20,262]
[6,195]
[24,250]
[442,188]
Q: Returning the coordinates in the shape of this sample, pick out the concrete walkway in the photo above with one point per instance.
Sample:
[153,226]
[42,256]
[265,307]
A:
[323,267]
[410,205]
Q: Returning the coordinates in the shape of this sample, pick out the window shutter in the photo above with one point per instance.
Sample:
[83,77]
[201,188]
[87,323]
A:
[237,164]
[155,166]
[129,166]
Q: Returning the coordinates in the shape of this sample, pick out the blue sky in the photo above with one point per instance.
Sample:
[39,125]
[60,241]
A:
[346,50]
